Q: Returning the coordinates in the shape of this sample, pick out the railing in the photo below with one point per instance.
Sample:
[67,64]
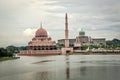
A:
[97,51]
[40,52]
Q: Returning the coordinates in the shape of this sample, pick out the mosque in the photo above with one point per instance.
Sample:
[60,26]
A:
[42,44]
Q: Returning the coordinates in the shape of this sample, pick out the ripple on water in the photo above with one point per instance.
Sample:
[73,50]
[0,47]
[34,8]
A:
[43,61]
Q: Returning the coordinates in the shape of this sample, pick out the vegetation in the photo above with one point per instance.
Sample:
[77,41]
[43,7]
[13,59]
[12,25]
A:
[8,51]
[7,58]
[113,44]
[84,47]
[23,48]
[60,45]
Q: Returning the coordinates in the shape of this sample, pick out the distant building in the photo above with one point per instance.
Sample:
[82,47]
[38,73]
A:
[71,41]
[99,41]
[81,40]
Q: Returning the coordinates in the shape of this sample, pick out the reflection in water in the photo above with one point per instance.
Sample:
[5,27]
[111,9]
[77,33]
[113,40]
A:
[62,68]
[42,76]
[45,75]
[83,70]
[67,68]
[42,61]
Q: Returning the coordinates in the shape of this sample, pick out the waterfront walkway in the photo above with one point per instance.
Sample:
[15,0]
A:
[97,51]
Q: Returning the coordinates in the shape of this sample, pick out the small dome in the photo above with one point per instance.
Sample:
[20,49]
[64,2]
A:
[41,33]
[81,32]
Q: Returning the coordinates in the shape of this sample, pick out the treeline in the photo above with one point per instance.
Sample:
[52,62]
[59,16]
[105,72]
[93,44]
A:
[115,43]
[110,44]
[10,51]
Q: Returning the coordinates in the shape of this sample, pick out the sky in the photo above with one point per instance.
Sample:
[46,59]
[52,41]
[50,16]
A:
[19,19]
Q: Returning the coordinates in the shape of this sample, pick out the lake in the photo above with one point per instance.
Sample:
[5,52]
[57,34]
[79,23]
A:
[61,67]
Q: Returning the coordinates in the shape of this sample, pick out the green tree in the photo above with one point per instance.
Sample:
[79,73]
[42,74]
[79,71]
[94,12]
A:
[84,47]
[94,46]
[12,50]
[102,45]
[60,45]
[113,44]
[9,51]
[23,48]
[2,52]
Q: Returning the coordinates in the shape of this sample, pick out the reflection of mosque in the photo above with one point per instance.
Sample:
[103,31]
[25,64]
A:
[70,72]
[42,76]
[67,68]
[83,70]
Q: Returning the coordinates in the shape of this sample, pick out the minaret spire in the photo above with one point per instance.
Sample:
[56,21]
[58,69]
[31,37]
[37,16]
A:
[41,25]
[66,31]
[66,21]
[67,48]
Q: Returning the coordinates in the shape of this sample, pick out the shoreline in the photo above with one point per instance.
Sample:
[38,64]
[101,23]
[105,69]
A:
[8,58]
[95,53]
[87,53]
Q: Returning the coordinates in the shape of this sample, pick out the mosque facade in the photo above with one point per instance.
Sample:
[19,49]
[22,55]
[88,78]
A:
[41,44]
[82,39]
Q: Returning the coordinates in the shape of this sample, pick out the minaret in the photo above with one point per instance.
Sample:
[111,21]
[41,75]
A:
[41,25]
[66,32]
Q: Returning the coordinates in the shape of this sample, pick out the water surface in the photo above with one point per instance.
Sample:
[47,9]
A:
[73,67]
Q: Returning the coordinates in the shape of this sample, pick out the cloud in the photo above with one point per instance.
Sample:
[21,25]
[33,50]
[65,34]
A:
[98,18]
[29,32]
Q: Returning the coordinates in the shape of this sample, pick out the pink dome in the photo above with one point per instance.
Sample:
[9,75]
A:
[41,33]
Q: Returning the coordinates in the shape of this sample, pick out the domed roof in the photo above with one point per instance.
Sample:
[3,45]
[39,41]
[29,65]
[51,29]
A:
[41,32]
[81,32]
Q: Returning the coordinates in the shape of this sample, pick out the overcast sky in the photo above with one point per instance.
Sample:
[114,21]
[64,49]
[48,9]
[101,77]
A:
[19,19]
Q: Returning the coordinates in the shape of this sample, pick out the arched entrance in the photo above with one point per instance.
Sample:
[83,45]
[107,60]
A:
[68,51]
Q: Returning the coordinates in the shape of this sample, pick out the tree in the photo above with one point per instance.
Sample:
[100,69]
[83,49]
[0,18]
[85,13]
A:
[23,48]
[3,52]
[94,46]
[102,45]
[60,45]
[12,49]
[113,44]
[84,47]
[9,51]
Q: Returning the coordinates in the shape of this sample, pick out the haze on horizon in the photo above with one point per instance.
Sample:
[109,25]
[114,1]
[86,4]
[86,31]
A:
[19,19]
